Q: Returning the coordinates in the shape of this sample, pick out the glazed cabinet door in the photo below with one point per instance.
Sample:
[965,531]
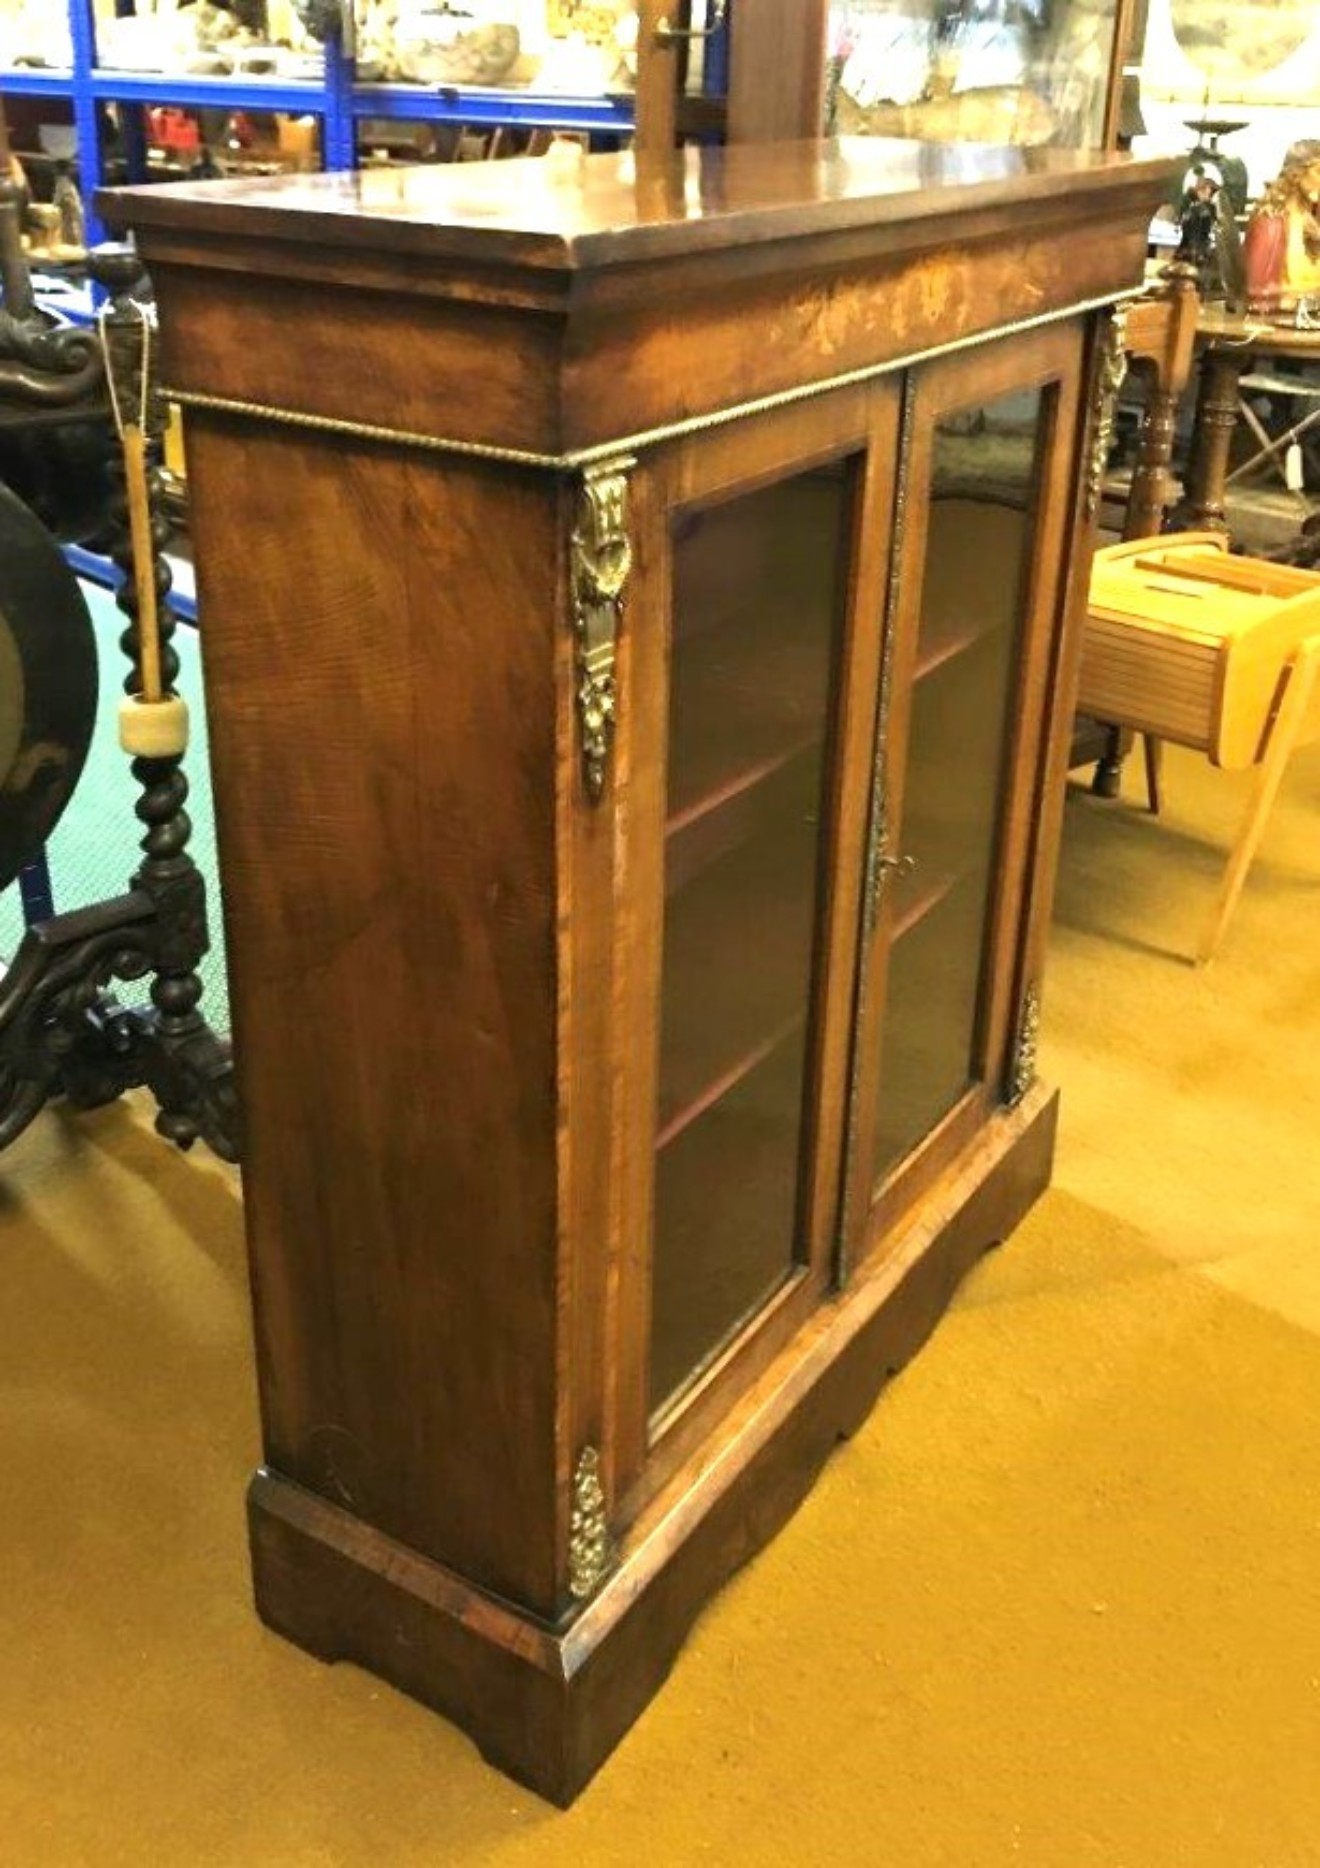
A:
[748,717]
[988,479]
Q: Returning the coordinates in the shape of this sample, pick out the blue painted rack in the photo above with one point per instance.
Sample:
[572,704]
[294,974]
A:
[338,99]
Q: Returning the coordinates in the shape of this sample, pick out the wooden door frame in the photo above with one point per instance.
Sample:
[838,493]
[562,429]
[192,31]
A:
[703,470]
[1046,358]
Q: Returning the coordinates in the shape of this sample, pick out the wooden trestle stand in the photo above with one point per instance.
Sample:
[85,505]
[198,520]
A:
[640,607]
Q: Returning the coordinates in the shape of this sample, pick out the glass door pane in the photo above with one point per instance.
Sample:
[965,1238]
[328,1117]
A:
[974,591]
[759,590]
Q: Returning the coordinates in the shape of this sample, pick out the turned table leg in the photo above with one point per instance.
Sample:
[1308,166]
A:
[1216,418]
[1107,779]
[1149,498]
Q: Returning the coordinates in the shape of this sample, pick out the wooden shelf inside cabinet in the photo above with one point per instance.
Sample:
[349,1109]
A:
[923,1070]
[755,625]
[968,530]
[555,933]
[748,701]
[729,1237]
[737,947]
[916,897]
[962,634]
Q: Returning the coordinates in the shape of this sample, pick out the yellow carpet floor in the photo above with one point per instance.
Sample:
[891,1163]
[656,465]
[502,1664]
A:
[1058,1604]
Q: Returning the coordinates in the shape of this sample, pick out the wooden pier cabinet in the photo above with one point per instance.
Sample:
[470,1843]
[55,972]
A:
[639,606]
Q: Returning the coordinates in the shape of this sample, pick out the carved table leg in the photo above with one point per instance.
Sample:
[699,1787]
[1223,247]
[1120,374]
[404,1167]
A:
[1149,497]
[1216,417]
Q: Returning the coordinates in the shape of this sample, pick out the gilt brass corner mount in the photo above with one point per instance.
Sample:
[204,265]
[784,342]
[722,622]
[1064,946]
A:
[601,566]
[1025,1048]
[590,1547]
[1110,373]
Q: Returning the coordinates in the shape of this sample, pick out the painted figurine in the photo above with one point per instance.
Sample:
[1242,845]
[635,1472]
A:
[1282,245]
[1209,237]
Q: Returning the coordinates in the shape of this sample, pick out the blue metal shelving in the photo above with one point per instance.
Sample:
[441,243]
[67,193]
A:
[338,100]
[93,568]
[489,108]
[151,87]
[19,82]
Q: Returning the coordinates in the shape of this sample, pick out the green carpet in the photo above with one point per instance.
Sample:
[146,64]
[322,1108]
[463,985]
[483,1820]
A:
[94,851]
[1056,1605]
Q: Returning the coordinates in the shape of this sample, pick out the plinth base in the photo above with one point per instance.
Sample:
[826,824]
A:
[548,1705]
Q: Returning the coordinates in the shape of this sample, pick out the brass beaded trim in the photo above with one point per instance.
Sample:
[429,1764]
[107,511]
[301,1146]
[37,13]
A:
[577,458]
[602,559]
[877,832]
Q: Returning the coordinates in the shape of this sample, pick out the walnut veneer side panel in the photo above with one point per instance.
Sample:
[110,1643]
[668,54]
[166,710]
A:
[380,682]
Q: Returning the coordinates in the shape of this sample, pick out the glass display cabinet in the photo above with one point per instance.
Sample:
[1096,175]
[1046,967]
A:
[1029,72]
[640,691]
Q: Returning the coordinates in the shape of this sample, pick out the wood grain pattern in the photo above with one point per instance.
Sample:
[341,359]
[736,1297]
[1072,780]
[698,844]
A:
[512,218]
[548,306]
[290,349]
[551,385]
[383,708]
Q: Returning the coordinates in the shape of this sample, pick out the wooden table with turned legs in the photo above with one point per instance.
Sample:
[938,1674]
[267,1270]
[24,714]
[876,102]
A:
[1228,343]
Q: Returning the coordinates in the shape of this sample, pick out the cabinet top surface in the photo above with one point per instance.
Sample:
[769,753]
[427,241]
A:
[610,209]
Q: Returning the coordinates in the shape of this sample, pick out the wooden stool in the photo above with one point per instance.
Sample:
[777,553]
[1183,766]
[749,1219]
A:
[1219,653]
